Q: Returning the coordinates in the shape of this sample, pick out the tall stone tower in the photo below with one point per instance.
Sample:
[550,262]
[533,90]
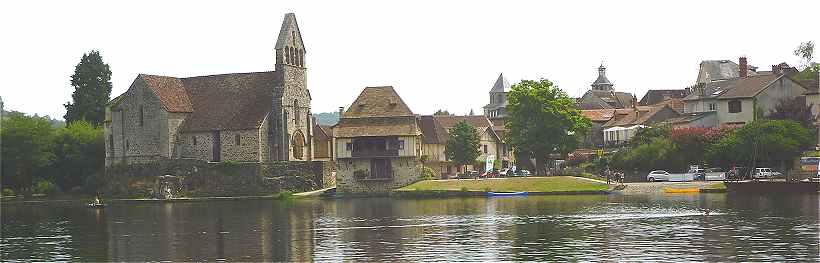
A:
[602,83]
[497,108]
[290,122]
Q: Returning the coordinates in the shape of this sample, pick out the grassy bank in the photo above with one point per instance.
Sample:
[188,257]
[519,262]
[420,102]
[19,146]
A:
[717,187]
[555,184]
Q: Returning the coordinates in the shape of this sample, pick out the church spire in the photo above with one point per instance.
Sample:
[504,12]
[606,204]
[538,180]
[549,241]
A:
[290,50]
[602,83]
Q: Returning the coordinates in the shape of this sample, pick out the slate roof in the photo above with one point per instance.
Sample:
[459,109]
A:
[604,99]
[229,101]
[501,84]
[655,96]
[378,111]
[601,80]
[709,90]
[691,116]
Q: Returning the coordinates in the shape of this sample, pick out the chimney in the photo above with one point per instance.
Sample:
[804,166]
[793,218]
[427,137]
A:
[341,110]
[743,67]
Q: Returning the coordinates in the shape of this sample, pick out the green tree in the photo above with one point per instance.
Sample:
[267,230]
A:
[806,52]
[761,143]
[462,146]
[648,134]
[27,144]
[79,151]
[543,120]
[92,90]
[442,113]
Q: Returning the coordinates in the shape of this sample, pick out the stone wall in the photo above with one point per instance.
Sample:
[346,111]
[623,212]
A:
[406,171]
[217,179]
[139,124]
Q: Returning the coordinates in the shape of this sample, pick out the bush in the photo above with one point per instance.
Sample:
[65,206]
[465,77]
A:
[46,188]
[427,173]
[464,189]
[8,192]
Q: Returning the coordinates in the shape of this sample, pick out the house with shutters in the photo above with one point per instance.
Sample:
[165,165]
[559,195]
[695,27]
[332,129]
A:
[377,143]
[435,133]
[243,117]
[739,100]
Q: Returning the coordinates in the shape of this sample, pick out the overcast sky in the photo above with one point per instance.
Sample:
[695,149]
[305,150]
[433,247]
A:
[437,54]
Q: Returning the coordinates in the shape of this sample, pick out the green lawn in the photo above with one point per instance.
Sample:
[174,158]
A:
[519,184]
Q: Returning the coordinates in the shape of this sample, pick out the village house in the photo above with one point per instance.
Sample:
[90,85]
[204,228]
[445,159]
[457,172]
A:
[737,101]
[378,143]
[242,117]
[626,122]
[322,142]
[602,95]
[435,133]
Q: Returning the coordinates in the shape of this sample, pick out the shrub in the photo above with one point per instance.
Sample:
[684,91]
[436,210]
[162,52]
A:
[45,187]
[427,173]
[8,192]
[464,189]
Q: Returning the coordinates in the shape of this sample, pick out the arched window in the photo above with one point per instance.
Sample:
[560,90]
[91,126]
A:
[298,144]
[287,55]
[302,58]
[298,58]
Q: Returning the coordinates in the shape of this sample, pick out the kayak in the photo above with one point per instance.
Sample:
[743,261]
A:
[90,205]
[507,193]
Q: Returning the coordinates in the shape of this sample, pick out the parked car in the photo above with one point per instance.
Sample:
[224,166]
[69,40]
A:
[657,175]
[522,173]
[697,173]
[714,174]
[467,175]
[505,172]
[763,173]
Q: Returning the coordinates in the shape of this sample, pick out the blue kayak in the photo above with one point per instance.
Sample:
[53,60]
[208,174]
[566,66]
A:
[506,193]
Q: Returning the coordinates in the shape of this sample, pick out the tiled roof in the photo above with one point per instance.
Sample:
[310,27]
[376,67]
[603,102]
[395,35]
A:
[434,127]
[674,103]
[691,116]
[600,115]
[378,111]
[655,96]
[432,132]
[376,126]
[627,117]
[229,101]
[377,102]
[748,87]
[322,133]
[709,90]
[170,91]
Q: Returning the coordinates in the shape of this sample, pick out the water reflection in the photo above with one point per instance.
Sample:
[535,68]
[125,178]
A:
[656,227]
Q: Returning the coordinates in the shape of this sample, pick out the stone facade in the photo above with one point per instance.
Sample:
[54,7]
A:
[405,171]
[240,117]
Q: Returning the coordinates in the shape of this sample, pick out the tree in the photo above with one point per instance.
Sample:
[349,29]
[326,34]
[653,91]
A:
[543,120]
[92,90]
[761,143]
[79,151]
[806,52]
[793,109]
[647,134]
[462,146]
[26,149]
[442,113]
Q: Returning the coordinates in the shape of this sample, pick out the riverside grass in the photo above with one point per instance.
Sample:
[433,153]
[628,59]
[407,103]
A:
[553,184]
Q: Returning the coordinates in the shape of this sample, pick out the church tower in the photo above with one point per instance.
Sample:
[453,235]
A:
[290,133]
[602,83]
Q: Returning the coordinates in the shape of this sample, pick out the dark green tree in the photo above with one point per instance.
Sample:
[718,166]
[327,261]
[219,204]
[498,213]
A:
[543,120]
[79,151]
[761,143]
[26,150]
[92,90]
[442,113]
[806,52]
[462,146]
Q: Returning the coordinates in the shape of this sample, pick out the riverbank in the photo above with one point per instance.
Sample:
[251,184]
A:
[532,185]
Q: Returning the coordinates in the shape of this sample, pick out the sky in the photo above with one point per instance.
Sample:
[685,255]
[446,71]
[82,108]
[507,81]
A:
[437,54]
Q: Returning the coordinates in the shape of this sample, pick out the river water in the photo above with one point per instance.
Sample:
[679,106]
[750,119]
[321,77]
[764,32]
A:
[535,228]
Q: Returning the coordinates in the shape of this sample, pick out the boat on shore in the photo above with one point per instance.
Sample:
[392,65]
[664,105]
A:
[95,206]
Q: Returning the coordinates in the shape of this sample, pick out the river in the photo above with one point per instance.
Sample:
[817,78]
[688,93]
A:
[534,228]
